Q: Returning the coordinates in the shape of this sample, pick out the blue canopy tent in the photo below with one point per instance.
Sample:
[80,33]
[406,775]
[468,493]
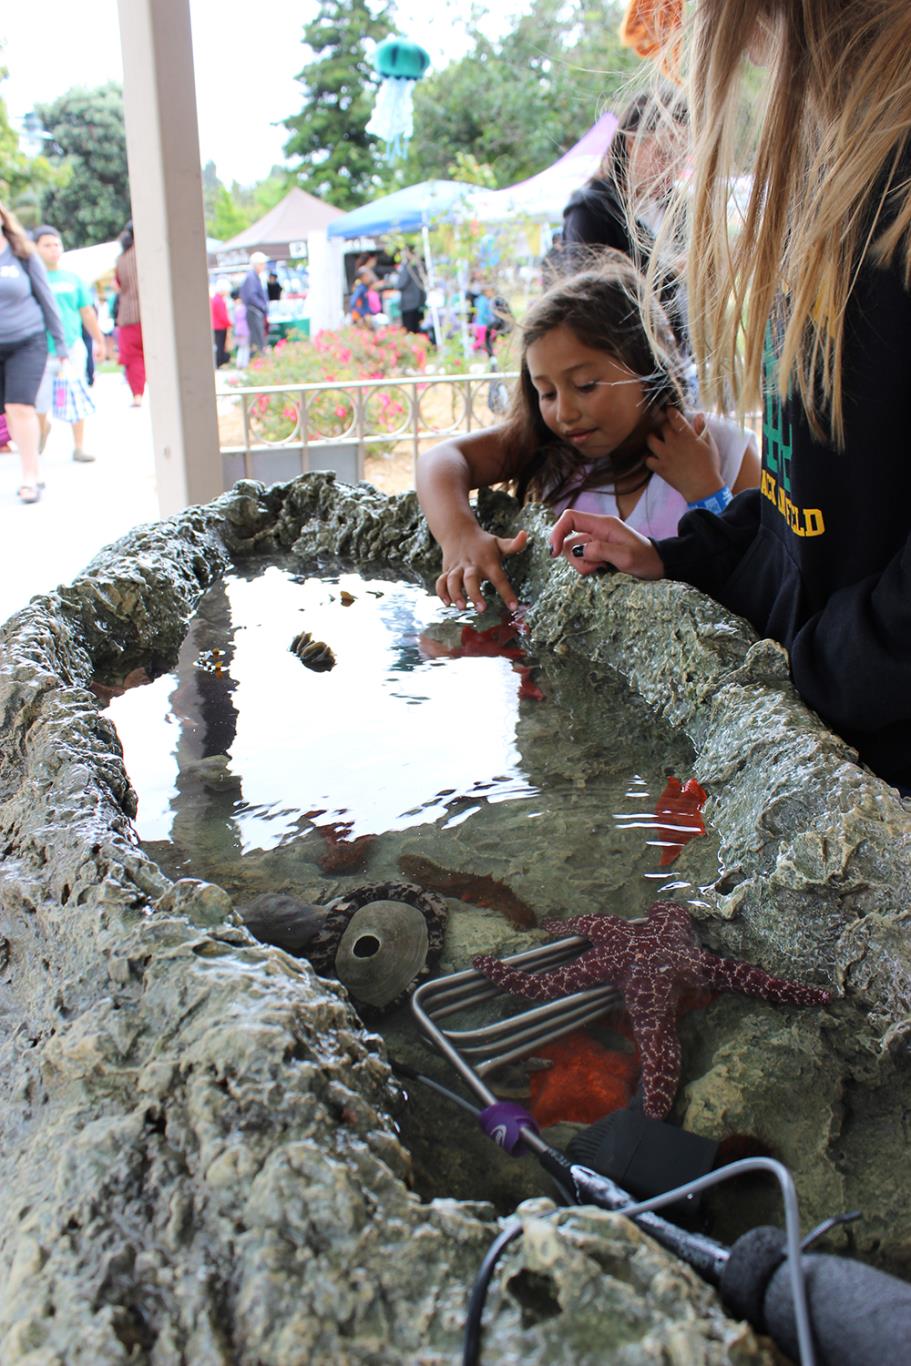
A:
[413,209]
[407,210]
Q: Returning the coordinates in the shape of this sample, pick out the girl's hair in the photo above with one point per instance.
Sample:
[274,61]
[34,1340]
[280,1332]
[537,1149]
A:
[15,234]
[825,132]
[126,238]
[608,307]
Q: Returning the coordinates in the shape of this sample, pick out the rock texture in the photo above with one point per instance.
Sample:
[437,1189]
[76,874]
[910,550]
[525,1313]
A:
[198,1150]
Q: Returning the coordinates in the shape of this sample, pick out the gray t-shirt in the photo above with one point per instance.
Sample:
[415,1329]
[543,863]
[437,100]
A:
[27,303]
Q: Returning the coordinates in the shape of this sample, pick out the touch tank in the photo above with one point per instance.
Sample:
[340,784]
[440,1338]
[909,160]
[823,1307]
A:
[210,1155]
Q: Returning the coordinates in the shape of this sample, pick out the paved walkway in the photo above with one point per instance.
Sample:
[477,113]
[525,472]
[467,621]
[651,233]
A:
[84,507]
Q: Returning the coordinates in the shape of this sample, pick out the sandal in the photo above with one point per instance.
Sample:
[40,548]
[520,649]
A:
[29,493]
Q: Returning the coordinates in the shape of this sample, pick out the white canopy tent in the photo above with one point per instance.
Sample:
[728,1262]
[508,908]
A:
[544,196]
[91,263]
[94,263]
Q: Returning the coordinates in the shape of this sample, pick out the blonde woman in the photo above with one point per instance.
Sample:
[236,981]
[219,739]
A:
[804,307]
[28,311]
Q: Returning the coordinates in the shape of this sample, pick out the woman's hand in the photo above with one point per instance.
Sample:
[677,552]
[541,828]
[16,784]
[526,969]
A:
[472,558]
[685,455]
[589,542]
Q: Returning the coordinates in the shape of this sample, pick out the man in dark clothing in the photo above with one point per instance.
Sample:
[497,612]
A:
[640,163]
[412,294]
[595,216]
[255,299]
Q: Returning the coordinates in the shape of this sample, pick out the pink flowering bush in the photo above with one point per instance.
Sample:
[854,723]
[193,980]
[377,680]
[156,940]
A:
[332,358]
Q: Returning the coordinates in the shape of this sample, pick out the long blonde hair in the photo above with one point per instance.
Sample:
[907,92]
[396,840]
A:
[826,142]
[15,234]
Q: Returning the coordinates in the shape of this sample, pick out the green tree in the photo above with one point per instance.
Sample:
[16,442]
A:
[22,178]
[228,217]
[517,103]
[210,188]
[339,160]
[88,139]
[269,192]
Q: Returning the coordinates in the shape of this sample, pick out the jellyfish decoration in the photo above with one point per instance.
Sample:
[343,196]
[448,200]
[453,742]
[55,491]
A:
[400,64]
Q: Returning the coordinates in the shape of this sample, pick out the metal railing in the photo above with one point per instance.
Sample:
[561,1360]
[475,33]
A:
[298,418]
[413,409]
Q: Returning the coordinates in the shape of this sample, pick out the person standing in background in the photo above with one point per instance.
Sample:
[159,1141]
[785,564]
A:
[28,311]
[241,332]
[221,321]
[256,302]
[74,302]
[129,322]
[413,296]
[622,206]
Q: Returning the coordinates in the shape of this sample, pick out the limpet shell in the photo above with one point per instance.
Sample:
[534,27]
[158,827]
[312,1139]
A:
[382,950]
[380,940]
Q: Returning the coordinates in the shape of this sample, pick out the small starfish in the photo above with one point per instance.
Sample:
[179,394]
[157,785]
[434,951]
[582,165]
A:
[652,964]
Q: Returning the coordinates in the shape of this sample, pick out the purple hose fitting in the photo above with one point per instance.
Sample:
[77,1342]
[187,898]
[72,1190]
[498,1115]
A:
[504,1122]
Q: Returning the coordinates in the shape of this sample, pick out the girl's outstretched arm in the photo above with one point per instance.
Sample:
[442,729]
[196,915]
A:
[589,541]
[445,477]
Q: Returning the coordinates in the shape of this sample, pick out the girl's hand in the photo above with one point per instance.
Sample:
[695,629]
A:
[589,542]
[685,455]
[471,559]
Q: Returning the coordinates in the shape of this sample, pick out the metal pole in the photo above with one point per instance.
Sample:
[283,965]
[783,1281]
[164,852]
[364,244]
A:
[431,283]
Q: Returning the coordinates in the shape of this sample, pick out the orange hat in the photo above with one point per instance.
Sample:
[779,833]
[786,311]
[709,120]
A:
[649,25]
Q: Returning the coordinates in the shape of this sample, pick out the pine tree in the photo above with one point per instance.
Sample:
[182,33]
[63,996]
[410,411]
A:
[340,161]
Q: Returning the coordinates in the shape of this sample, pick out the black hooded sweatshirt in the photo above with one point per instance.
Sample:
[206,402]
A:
[819,557]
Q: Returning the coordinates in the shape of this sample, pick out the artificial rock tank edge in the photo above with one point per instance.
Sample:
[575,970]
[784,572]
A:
[197,1147]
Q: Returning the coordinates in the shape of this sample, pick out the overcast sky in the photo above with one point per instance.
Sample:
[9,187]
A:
[244,70]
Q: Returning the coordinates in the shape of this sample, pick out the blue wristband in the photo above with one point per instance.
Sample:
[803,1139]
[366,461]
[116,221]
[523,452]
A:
[716,502]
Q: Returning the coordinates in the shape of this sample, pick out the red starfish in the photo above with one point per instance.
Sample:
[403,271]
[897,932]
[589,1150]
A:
[494,642]
[652,964]
[682,803]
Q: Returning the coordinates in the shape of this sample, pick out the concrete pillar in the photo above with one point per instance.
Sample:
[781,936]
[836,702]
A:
[166,192]
[326,273]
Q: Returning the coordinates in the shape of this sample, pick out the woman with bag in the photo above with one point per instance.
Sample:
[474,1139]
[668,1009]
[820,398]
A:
[27,308]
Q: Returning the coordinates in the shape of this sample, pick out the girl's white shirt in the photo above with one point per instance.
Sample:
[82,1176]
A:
[660,507]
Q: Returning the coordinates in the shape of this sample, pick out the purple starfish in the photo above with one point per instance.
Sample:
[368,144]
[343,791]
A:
[651,963]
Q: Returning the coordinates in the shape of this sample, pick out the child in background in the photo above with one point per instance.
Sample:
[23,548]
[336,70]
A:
[598,423]
[241,330]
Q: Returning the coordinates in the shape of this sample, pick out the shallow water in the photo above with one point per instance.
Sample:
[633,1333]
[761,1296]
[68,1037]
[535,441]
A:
[258,774]
[254,771]
[262,776]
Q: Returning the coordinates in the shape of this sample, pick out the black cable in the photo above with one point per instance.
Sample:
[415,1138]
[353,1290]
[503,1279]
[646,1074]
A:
[403,1069]
[471,1352]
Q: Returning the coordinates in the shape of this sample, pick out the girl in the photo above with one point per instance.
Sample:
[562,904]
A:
[597,423]
[819,557]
